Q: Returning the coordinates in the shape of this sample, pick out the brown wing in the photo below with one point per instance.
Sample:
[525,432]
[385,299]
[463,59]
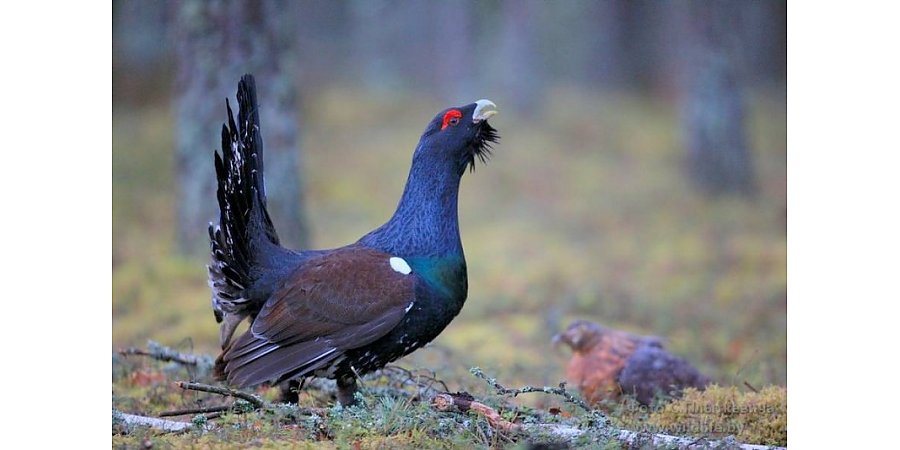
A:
[336,302]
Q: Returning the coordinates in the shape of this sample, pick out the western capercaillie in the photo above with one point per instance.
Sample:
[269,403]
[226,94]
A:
[343,312]
[606,363]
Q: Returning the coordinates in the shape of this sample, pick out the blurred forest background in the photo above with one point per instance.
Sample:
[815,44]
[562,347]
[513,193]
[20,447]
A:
[640,181]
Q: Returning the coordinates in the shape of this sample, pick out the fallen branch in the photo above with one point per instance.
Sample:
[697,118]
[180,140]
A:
[249,398]
[464,402]
[168,426]
[160,352]
[560,390]
[253,401]
[194,411]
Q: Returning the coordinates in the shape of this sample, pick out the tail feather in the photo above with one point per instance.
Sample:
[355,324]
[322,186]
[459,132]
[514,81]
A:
[245,232]
[249,360]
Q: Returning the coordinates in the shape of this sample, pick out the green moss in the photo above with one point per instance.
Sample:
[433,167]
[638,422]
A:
[752,417]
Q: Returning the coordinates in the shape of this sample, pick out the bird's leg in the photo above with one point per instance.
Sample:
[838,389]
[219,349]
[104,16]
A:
[346,386]
[290,391]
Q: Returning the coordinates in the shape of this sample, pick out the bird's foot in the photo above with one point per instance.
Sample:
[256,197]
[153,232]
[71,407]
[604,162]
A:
[346,391]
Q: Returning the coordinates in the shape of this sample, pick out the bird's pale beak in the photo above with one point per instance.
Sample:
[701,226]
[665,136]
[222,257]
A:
[484,109]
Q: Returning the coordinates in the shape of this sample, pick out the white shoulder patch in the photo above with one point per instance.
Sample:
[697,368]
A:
[400,265]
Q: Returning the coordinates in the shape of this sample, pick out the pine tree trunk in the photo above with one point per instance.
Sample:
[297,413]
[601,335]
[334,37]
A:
[452,37]
[521,77]
[718,155]
[217,42]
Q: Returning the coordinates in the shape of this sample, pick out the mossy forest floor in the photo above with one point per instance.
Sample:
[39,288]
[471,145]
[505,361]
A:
[583,212]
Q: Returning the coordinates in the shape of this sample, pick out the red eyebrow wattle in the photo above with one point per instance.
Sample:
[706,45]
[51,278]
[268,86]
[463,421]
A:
[453,113]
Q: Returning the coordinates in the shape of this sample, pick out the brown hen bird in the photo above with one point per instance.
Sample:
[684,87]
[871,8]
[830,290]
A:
[607,363]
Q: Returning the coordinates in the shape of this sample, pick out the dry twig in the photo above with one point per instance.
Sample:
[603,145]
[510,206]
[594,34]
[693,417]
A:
[249,398]
[464,402]
[160,352]
[560,390]
[193,411]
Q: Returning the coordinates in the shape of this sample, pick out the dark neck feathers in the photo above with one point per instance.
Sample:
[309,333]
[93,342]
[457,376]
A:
[426,222]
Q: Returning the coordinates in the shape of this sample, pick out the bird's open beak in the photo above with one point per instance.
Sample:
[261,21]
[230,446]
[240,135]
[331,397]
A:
[484,109]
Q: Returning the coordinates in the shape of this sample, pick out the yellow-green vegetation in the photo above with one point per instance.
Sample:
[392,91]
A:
[583,212]
[753,417]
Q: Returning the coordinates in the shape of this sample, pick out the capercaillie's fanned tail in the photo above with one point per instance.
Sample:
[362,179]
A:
[244,242]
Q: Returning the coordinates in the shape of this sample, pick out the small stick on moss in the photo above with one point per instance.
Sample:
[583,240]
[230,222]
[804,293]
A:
[249,398]
[464,402]
[194,411]
[560,390]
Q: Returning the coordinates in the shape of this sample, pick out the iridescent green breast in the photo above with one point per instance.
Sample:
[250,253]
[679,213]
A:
[446,275]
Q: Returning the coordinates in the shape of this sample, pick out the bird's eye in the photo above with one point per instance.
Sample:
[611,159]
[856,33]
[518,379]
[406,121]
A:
[451,118]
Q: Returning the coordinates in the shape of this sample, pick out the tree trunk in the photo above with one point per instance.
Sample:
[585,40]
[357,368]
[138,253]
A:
[371,43]
[456,63]
[604,25]
[718,156]
[217,42]
[521,73]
